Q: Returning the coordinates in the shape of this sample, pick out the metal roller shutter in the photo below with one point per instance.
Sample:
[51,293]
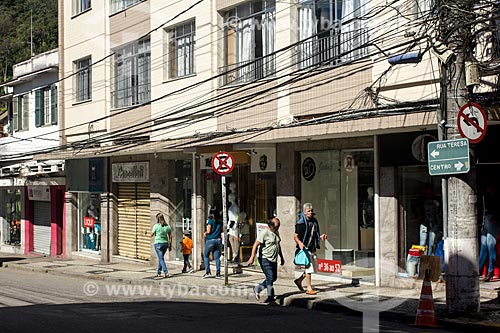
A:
[143,221]
[134,216]
[41,227]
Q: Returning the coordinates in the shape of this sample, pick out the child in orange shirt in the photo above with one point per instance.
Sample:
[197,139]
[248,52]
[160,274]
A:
[187,246]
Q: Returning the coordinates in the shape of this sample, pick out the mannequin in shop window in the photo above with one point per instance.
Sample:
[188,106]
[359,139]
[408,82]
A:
[432,224]
[368,209]
[93,234]
[233,228]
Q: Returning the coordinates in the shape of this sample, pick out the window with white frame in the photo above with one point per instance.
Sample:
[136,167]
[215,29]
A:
[249,41]
[83,79]
[118,5]
[132,81]
[20,113]
[46,106]
[181,46]
[331,31]
[79,6]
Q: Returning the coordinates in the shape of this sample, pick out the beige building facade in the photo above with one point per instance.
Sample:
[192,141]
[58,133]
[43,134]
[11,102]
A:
[299,92]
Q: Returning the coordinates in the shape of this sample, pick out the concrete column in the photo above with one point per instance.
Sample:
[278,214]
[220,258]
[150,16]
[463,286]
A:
[388,228]
[109,219]
[461,248]
[70,224]
[287,204]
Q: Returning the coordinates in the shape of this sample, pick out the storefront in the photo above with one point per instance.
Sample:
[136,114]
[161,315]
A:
[134,209]
[11,203]
[419,196]
[339,184]
[250,190]
[89,222]
[86,182]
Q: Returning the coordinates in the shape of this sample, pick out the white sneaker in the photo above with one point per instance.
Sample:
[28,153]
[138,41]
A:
[191,271]
[207,275]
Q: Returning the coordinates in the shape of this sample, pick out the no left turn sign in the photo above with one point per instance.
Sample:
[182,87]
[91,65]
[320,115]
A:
[472,122]
[223,163]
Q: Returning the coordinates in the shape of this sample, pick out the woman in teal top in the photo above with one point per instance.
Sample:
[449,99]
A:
[163,241]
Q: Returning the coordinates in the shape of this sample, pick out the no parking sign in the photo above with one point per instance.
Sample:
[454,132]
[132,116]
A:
[223,163]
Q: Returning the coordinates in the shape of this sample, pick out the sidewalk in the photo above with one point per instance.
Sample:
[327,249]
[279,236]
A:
[336,296]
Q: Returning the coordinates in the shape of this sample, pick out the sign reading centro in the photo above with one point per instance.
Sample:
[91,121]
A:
[223,163]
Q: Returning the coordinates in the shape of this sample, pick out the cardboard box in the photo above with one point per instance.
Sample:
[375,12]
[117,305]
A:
[367,238]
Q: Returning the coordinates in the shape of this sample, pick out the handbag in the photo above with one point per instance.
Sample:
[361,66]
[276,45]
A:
[302,258]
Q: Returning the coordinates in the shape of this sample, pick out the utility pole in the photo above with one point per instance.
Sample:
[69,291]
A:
[461,242]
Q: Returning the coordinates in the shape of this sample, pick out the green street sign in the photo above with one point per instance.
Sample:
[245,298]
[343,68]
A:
[448,157]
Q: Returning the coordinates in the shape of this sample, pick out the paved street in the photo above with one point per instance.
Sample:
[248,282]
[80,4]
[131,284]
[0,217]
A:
[30,301]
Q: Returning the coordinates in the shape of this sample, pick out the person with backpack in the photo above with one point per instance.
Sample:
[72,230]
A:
[269,242]
[307,236]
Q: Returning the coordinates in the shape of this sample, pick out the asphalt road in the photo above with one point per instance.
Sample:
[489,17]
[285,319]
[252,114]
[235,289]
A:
[35,302]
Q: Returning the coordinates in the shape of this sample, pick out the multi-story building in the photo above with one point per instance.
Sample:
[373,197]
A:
[300,93]
[31,191]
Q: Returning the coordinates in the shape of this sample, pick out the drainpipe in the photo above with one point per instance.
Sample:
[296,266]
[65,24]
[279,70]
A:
[376,203]
[61,104]
[194,218]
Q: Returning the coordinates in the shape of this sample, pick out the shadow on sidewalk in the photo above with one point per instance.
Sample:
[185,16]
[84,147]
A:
[9,259]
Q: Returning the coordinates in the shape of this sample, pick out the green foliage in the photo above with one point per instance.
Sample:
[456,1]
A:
[15,31]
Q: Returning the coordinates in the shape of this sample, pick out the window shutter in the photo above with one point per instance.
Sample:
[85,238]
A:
[39,107]
[53,105]
[20,111]
[15,114]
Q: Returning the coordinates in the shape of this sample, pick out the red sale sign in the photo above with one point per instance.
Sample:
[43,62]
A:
[88,222]
[330,266]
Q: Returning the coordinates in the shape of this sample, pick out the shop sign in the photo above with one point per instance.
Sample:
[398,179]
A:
[88,222]
[263,160]
[330,266]
[39,193]
[134,172]
[308,169]
[206,161]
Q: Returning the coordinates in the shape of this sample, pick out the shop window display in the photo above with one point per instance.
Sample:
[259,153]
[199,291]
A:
[90,222]
[11,228]
[422,217]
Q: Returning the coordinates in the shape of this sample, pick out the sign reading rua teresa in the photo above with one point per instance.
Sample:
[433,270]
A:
[134,172]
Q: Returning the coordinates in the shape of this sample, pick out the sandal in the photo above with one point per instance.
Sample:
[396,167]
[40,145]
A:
[311,292]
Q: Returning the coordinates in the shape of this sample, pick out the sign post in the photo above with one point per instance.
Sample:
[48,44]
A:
[448,157]
[223,164]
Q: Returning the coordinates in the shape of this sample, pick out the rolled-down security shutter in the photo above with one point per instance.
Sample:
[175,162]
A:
[143,221]
[134,216]
[41,227]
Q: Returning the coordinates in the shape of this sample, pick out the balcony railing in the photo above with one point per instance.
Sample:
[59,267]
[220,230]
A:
[247,71]
[332,49]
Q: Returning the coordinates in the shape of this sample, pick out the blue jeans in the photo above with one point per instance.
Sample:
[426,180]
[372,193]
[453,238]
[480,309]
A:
[161,249]
[214,246]
[488,248]
[270,270]
[428,238]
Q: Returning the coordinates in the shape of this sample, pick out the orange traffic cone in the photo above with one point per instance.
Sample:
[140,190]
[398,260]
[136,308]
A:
[425,311]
